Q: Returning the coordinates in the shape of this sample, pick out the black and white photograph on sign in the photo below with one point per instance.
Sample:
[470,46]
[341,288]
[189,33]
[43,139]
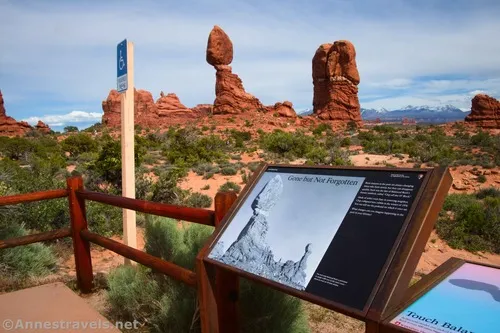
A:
[286,224]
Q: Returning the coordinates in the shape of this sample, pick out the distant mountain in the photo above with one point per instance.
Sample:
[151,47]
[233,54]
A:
[426,114]
[305,112]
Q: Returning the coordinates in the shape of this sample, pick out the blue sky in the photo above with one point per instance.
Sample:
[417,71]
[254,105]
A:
[57,57]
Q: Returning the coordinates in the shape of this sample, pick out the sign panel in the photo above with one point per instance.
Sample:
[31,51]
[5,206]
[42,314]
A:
[466,301]
[121,66]
[326,232]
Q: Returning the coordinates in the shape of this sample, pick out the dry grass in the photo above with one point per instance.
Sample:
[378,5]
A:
[322,320]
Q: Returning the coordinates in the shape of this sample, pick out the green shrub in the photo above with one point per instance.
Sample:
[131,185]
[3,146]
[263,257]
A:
[230,186]
[198,200]
[170,306]
[206,187]
[78,144]
[346,142]
[488,192]
[474,224]
[481,178]
[229,171]
[132,293]
[321,128]
[187,147]
[104,219]
[291,145]
[27,261]
[166,190]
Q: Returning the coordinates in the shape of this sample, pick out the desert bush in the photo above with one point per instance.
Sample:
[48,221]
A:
[104,219]
[186,146]
[230,186]
[198,200]
[108,165]
[27,261]
[166,190]
[481,178]
[323,127]
[474,224]
[290,145]
[170,306]
[488,192]
[78,144]
[132,294]
[229,171]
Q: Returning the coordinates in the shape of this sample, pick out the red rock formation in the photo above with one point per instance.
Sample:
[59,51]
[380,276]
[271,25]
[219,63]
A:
[284,109]
[335,78]
[485,112]
[170,106]
[203,109]
[43,127]
[219,48]
[230,95]
[145,110]
[8,125]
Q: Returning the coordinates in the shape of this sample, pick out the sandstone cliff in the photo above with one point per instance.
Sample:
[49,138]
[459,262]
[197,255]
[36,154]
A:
[8,125]
[335,79]
[485,112]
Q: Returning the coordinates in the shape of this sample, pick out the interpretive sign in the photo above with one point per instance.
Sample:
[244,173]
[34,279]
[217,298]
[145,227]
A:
[465,299]
[320,232]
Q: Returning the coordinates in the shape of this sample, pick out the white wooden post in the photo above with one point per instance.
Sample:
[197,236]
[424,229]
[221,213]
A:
[128,160]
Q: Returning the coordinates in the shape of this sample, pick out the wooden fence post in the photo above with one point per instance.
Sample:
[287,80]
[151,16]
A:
[217,289]
[81,247]
[226,283]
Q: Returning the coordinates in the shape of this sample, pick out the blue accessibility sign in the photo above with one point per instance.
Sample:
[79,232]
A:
[121,66]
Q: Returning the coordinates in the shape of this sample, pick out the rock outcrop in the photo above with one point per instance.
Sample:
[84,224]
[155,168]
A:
[43,127]
[230,95]
[8,125]
[170,106]
[335,79]
[252,253]
[145,110]
[485,112]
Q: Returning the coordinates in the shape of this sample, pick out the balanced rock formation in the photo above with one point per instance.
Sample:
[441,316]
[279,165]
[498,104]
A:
[219,48]
[230,95]
[485,112]
[335,79]
[8,125]
[251,252]
[43,127]
[145,110]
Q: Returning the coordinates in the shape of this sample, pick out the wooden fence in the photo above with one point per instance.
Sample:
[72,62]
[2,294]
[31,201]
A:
[217,289]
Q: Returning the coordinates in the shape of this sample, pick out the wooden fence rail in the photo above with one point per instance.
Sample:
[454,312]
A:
[177,272]
[35,196]
[197,215]
[35,238]
[218,303]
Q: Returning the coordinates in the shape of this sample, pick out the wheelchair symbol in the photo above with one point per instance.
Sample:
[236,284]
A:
[121,62]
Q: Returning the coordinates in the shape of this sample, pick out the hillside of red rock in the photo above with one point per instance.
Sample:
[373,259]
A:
[485,112]
[8,125]
[335,79]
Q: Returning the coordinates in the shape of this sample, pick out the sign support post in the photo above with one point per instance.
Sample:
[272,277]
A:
[125,85]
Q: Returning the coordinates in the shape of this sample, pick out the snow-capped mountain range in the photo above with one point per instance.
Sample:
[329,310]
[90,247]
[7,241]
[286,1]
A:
[423,113]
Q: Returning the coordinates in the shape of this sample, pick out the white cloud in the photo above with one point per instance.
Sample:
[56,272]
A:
[72,118]
[68,50]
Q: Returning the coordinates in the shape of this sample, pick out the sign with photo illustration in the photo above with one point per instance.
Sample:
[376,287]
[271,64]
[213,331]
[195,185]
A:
[318,231]
[466,301]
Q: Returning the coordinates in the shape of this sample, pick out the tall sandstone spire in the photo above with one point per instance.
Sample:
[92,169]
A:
[335,79]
